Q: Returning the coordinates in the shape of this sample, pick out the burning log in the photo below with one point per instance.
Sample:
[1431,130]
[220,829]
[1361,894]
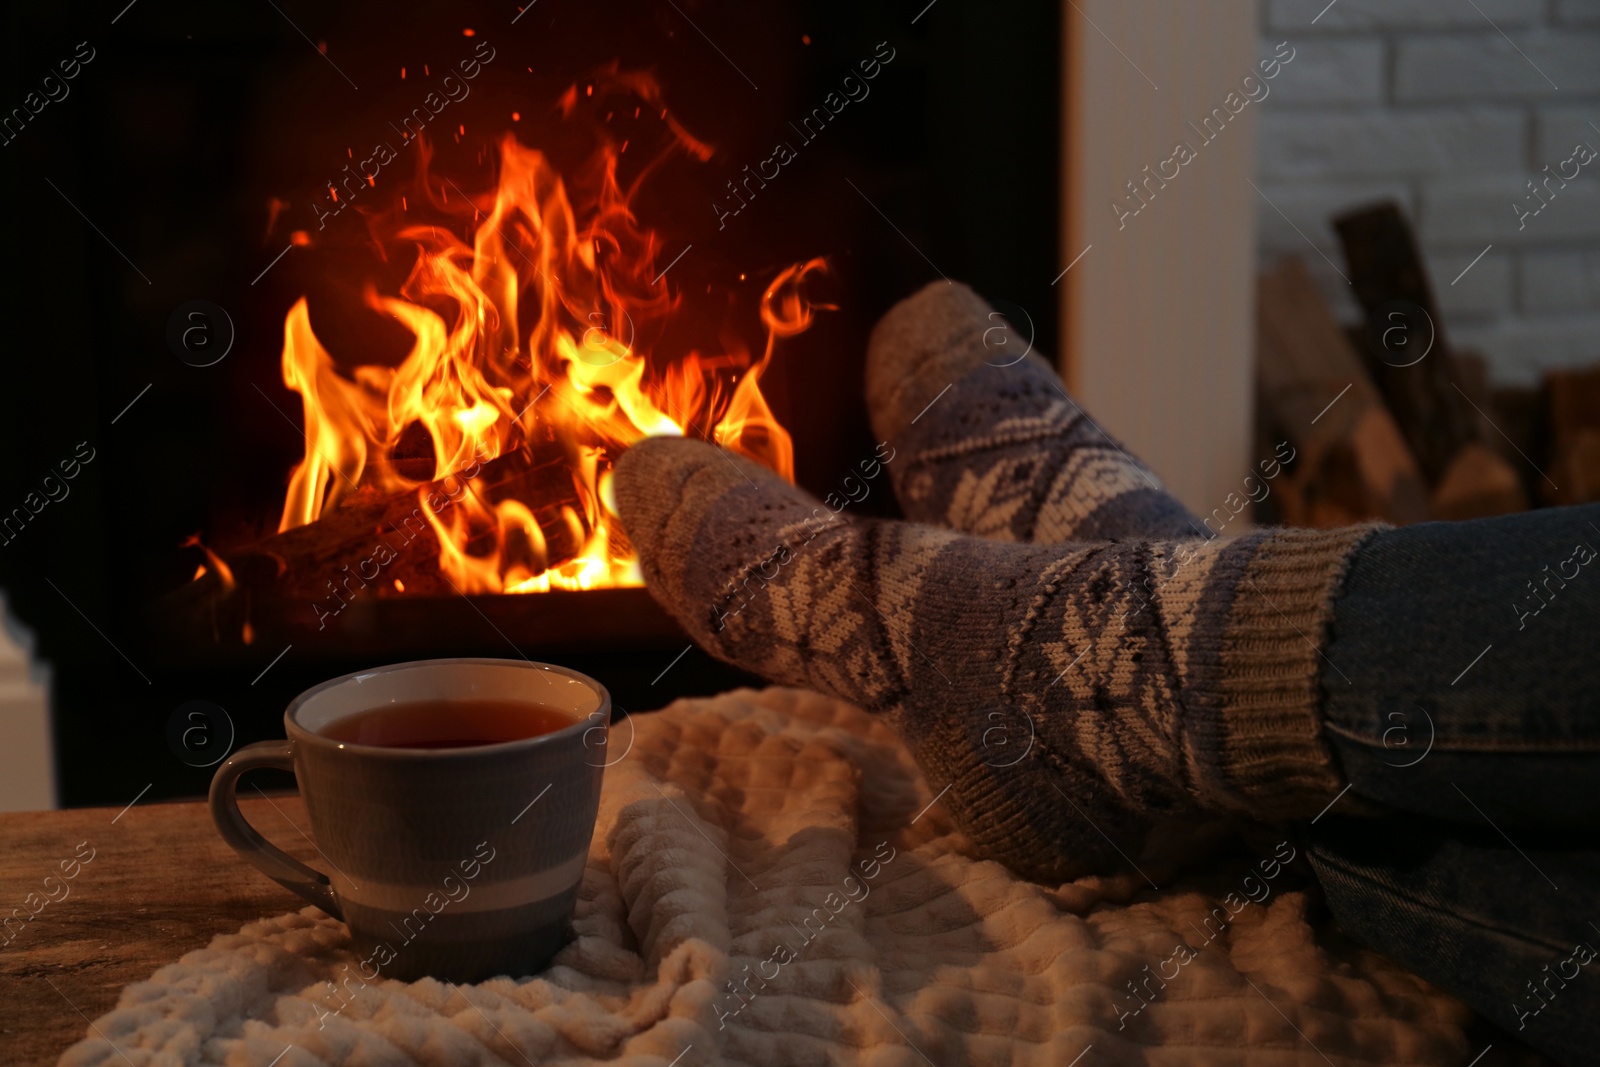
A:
[544,324]
[310,558]
[380,547]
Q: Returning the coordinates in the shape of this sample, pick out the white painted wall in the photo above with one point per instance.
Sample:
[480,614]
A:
[1159,312]
[1449,107]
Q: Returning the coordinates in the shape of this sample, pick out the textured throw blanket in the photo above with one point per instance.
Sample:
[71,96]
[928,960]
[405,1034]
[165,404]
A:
[772,882]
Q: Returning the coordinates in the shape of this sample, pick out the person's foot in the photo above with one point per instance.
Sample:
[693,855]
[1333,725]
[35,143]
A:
[1070,695]
[988,442]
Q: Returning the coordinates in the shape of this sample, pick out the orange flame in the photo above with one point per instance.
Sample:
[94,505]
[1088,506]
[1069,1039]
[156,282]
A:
[579,381]
[224,572]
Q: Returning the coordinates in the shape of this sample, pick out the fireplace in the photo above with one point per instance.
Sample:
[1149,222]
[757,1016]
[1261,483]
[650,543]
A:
[224,197]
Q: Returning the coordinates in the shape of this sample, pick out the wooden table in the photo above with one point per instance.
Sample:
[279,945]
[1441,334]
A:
[161,884]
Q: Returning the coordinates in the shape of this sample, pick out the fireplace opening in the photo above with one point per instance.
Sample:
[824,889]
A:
[366,305]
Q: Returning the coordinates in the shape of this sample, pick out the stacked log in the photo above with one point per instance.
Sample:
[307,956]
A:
[1410,359]
[1354,462]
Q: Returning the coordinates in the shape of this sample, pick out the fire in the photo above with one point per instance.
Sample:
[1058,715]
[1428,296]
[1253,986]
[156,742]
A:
[543,339]
[224,572]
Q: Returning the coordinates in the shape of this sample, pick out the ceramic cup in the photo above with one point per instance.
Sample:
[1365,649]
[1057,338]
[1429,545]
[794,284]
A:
[459,863]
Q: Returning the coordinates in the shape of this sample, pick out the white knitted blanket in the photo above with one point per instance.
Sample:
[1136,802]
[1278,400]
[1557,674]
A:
[772,883]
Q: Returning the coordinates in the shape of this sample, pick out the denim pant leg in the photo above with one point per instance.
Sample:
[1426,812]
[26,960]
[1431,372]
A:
[1470,913]
[1461,690]
[1462,671]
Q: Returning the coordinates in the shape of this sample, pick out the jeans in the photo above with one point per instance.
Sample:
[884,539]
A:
[1461,690]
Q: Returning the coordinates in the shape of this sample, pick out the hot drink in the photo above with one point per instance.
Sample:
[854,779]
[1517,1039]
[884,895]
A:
[413,790]
[448,724]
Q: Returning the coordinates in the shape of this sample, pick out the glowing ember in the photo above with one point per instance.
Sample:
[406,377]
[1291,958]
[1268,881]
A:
[223,570]
[541,337]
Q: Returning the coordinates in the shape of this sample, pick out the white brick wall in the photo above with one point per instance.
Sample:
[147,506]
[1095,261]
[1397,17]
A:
[1450,107]
[1375,15]
[1479,210]
[1561,281]
[1333,71]
[1472,67]
[1561,126]
[1578,12]
[1311,143]
[1489,288]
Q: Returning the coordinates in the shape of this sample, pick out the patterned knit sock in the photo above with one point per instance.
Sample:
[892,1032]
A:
[1066,715]
[989,443]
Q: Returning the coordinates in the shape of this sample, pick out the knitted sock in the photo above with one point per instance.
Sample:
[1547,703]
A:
[991,444]
[1065,720]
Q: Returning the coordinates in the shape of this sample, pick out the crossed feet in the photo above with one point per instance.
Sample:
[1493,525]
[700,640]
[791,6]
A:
[1047,590]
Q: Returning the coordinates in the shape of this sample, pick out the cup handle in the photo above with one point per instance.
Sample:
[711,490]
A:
[271,860]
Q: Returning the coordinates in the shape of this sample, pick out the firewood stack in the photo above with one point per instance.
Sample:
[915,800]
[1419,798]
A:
[1573,402]
[1390,421]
